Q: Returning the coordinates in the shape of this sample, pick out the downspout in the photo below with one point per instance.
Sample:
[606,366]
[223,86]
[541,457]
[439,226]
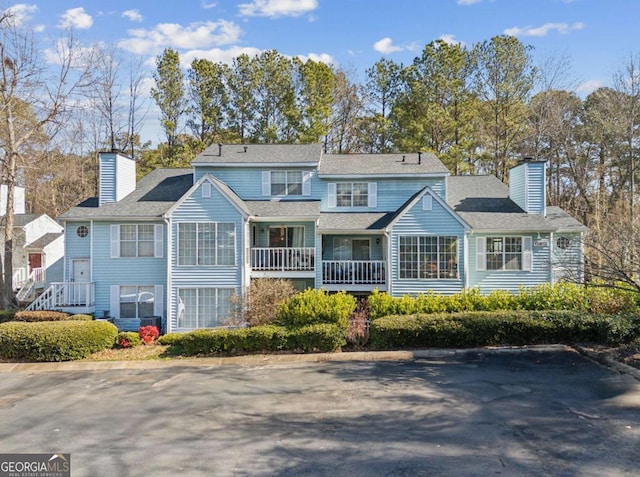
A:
[169,291]
[64,253]
[91,252]
[465,262]
[387,260]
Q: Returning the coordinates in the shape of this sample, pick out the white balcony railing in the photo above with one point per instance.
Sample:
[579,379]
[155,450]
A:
[283,259]
[353,272]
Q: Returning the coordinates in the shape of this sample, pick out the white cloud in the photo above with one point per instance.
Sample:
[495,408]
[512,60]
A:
[467,2]
[277,8]
[76,18]
[544,30]
[133,15]
[207,6]
[173,35]
[385,46]
[318,58]
[20,13]
[450,39]
[589,86]
[217,55]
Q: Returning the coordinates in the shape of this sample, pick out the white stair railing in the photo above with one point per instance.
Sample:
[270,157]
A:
[36,277]
[65,295]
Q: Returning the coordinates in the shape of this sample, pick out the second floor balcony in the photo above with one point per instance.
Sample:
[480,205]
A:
[283,259]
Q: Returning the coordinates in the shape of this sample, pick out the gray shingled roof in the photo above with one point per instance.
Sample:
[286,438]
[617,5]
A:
[45,240]
[354,221]
[155,193]
[281,208]
[483,202]
[20,220]
[380,164]
[260,154]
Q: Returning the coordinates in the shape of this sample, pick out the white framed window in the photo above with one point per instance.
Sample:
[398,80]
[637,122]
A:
[504,253]
[136,301]
[206,243]
[352,194]
[137,240]
[423,257]
[203,307]
[286,183]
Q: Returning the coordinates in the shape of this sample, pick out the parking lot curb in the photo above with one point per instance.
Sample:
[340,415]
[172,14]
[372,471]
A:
[265,359]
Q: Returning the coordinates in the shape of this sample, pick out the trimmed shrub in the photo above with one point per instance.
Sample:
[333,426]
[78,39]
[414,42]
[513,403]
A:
[171,339]
[471,329]
[8,315]
[128,339]
[80,317]
[320,337]
[561,296]
[56,340]
[315,307]
[45,315]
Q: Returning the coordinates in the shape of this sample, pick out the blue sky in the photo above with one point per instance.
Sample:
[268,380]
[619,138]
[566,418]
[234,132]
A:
[597,36]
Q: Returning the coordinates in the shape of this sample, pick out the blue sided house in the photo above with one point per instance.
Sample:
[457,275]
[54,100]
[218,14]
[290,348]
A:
[180,242]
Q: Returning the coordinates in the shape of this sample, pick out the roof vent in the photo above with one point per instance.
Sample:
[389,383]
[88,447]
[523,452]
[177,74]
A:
[403,156]
[419,157]
[245,148]
[220,149]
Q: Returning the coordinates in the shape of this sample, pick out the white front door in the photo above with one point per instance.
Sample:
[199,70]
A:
[81,276]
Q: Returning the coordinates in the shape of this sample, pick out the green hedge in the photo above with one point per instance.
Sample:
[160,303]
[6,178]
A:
[8,315]
[55,340]
[267,338]
[471,329]
[44,315]
[561,296]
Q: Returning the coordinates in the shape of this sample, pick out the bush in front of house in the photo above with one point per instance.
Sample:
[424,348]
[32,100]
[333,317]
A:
[314,306]
[80,317]
[55,340]
[322,337]
[8,315]
[128,339]
[561,296]
[262,300]
[43,315]
[473,329]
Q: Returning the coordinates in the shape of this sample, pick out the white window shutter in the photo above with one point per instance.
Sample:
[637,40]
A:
[206,190]
[158,301]
[159,241]
[332,202]
[481,253]
[115,241]
[427,202]
[527,246]
[373,194]
[306,183]
[114,302]
[266,183]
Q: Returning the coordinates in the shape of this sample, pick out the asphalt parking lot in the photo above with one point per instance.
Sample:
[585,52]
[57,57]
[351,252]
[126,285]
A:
[541,412]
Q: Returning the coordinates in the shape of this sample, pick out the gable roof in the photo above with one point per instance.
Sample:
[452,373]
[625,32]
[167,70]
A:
[483,202]
[223,188]
[45,240]
[155,193]
[376,165]
[259,154]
